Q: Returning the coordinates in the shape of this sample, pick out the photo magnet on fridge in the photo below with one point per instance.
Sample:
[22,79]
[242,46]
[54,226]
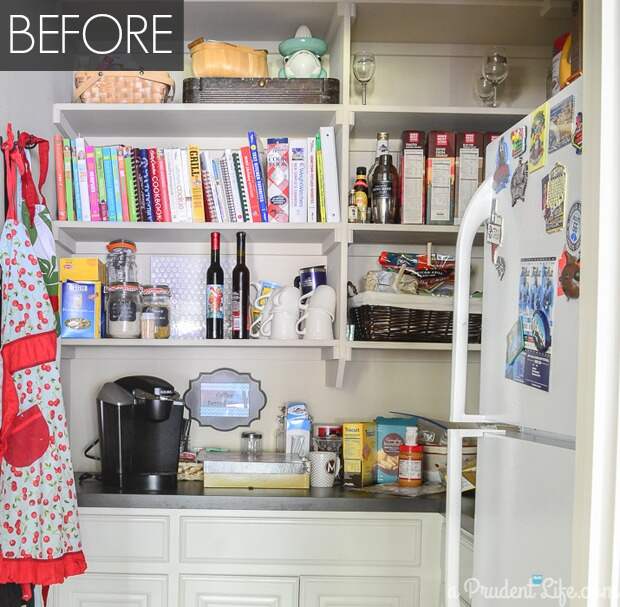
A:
[501,176]
[554,198]
[577,139]
[518,183]
[561,117]
[569,269]
[494,227]
[518,141]
[538,138]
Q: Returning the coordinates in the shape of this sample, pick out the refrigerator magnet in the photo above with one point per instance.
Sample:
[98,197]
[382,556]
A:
[518,141]
[494,227]
[554,198]
[573,228]
[561,117]
[500,266]
[518,183]
[501,176]
[577,139]
[541,331]
[514,342]
[569,268]
[538,138]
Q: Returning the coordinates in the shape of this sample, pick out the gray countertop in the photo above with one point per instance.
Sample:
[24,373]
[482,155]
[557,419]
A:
[191,494]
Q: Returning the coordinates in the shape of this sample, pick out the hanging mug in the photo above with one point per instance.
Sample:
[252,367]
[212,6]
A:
[311,278]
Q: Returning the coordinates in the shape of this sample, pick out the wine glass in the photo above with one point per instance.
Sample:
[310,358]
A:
[486,91]
[364,66]
[495,70]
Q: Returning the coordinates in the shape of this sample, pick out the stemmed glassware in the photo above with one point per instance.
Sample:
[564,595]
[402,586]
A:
[364,67]
[494,72]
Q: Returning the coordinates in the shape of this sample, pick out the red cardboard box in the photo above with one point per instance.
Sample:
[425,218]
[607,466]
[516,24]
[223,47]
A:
[412,168]
[469,169]
[440,165]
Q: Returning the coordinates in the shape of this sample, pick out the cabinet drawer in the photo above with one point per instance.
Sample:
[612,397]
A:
[359,592]
[125,538]
[238,591]
[338,541]
[100,590]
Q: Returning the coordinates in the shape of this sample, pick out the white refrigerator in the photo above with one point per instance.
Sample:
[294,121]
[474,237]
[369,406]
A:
[529,207]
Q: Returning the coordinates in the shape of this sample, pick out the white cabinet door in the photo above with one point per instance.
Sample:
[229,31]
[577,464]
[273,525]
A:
[237,591]
[359,592]
[103,590]
[466,565]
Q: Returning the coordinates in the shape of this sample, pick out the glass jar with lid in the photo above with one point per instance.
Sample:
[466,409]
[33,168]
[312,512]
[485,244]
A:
[156,300]
[123,310]
[120,262]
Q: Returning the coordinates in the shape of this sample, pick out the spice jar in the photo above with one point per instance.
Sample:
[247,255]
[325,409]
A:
[147,325]
[251,443]
[124,309]
[156,300]
[120,262]
[410,460]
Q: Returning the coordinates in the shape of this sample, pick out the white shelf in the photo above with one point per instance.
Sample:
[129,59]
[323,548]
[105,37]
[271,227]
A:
[179,120]
[195,343]
[406,345]
[405,234]
[369,119]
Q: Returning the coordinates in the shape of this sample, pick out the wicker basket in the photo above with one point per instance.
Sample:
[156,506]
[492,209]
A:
[213,59]
[387,317]
[123,87]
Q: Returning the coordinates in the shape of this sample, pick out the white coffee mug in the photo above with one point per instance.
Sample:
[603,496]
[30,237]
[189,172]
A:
[265,304]
[317,325]
[280,324]
[323,297]
[324,468]
[286,298]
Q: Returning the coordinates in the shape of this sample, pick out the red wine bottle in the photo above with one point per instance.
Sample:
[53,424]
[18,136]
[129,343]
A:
[240,293]
[215,292]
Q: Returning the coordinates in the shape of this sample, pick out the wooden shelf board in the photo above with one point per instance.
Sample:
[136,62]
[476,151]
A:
[371,119]
[179,120]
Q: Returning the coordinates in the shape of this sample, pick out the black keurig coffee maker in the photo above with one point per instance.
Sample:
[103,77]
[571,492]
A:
[140,426]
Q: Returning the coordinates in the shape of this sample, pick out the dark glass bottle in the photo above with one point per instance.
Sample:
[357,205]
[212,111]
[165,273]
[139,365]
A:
[384,191]
[240,293]
[215,292]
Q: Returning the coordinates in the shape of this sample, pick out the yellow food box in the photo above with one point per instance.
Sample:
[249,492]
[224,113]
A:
[90,269]
[359,445]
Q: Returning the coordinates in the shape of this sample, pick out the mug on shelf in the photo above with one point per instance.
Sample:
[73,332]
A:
[311,278]
[317,325]
[263,288]
[286,298]
[324,468]
[263,303]
[280,324]
[323,297]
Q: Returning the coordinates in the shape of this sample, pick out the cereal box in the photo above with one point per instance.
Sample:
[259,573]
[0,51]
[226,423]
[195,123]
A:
[80,310]
[359,446]
[390,436]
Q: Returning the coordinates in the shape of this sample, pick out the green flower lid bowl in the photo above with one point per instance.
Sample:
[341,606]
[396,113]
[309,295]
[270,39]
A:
[318,46]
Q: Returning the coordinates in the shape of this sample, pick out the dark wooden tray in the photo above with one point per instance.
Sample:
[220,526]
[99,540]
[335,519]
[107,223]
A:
[261,90]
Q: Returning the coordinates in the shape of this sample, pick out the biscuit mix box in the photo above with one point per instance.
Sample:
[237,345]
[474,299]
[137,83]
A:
[440,164]
[413,202]
[359,448]
[469,165]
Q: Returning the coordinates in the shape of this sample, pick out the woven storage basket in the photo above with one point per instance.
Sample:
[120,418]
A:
[123,87]
[213,59]
[392,317]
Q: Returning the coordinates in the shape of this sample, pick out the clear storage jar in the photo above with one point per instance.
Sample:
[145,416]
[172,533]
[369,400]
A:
[120,262]
[156,300]
[123,310]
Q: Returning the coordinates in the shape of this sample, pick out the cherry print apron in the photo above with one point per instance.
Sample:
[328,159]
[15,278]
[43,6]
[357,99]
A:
[39,531]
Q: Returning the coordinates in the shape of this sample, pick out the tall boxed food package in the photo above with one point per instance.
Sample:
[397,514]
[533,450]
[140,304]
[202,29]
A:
[359,447]
[80,310]
[440,165]
[413,202]
[391,433]
[469,167]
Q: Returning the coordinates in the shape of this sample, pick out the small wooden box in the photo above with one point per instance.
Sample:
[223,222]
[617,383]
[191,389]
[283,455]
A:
[261,90]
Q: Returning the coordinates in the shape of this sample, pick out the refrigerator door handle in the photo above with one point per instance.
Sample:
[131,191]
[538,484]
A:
[477,212]
[452,555]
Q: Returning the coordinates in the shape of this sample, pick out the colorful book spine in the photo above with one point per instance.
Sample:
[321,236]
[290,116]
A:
[259,175]
[227,190]
[186,181]
[330,174]
[122,181]
[322,214]
[173,188]
[158,209]
[243,191]
[234,188]
[77,201]
[278,179]
[312,210]
[140,201]
[145,181]
[61,197]
[218,189]
[109,184]
[211,207]
[117,184]
[66,152]
[93,189]
[298,158]
[131,186]
[163,182]
[80,149]
[198,205]
[101,185]
[248,174]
